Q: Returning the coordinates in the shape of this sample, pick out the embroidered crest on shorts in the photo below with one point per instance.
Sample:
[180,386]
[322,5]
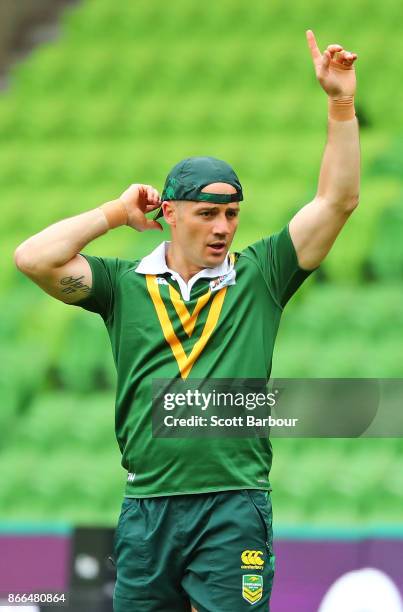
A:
[252,588]
[252,559]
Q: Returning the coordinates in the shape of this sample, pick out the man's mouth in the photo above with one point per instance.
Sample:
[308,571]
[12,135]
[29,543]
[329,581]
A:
[217,247]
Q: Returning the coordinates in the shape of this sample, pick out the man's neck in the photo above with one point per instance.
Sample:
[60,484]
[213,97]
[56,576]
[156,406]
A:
[177,262]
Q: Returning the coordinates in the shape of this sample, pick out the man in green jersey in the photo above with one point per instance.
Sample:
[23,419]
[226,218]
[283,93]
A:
[195,527]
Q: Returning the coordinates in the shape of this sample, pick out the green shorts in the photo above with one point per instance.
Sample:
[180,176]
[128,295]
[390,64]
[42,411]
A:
[211,550]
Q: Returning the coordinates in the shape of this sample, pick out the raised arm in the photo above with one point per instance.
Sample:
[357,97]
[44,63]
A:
[51,257]
[315,227]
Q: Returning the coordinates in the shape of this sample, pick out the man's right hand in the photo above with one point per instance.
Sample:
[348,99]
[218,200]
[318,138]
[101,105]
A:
[139,200]
[52,257]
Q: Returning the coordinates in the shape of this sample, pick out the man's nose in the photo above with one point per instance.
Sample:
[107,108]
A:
[221,227]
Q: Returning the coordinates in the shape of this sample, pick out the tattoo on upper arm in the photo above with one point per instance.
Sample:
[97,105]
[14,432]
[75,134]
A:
[71,284]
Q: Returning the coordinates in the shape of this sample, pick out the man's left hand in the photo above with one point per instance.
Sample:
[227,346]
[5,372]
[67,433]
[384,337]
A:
[334,68]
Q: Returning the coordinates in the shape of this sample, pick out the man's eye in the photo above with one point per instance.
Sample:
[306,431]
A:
[205,213]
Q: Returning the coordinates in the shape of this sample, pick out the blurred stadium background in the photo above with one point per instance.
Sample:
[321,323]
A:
[96,95]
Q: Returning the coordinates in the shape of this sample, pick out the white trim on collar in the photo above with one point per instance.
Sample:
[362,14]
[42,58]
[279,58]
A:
[155,263]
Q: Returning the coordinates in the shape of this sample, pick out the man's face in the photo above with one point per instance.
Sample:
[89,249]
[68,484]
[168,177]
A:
[203,231]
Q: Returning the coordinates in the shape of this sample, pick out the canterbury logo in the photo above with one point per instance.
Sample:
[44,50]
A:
[252,557]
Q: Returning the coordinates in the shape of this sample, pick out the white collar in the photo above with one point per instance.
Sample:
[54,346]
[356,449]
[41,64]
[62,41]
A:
[155,263]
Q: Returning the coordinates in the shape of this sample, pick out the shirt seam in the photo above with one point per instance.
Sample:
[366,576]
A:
[92,288]
[277,303]
[200,492]
[300,271]
[128,270]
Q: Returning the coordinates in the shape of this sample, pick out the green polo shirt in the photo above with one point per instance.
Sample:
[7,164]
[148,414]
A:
[225,328]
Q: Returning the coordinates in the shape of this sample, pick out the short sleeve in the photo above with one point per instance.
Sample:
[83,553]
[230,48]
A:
[100,299]
[276,258]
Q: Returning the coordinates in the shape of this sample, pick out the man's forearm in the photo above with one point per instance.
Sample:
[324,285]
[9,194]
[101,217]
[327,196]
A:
[59,243]
[339,179]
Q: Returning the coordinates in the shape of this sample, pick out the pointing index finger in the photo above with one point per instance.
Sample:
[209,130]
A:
[315,52]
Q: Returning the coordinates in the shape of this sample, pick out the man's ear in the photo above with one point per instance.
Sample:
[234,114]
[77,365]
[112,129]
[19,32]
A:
[170,212]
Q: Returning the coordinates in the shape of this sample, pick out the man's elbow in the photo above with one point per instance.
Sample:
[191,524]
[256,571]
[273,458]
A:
[347,204]
[25,261]
[352,203]
[19,258]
